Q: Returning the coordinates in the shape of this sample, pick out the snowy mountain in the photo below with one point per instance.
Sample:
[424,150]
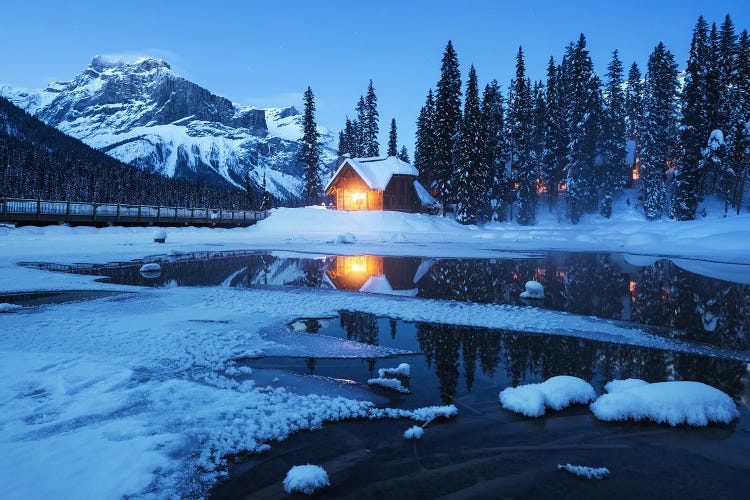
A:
[142,113]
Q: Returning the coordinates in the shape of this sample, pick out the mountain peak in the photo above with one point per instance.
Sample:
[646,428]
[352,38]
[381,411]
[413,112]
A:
[102,63]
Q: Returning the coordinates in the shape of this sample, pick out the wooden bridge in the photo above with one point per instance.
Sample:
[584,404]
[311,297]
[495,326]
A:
[42,212]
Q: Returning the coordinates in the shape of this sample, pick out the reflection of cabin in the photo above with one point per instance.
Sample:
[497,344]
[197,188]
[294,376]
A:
[379,184]
[374,274]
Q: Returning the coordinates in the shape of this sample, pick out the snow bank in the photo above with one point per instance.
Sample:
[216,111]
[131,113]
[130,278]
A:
[415,432]
[534,290]
[555,393]
[402,370]
[584,471]
[9,308]
[392,384]
[674,403]
[305,479]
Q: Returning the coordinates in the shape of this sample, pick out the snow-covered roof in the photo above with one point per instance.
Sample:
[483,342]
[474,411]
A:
[424,196]
[376,172]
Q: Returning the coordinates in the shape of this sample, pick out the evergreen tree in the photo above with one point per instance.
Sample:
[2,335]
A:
[634,112]
[659,131]
[360,134]
[695,126]
[713,75]
[520,137]
[555,136]
[538,132]
[265,203]
[727,70]
[392,139]
[370,125]
[250,191]
[583,102]
[424,151]
[495,157]
[738,142]
[447,121]
[613,142]
[469,189]
[403,154]
[312,191]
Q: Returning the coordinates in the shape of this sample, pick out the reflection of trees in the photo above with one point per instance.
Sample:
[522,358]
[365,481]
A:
[360,327]
[593,286]
[444,347]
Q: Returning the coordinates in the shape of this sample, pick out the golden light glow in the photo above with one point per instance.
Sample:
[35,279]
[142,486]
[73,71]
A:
[631,287]
[357,264]
[562,187]
[636,174]
[541,188]
[516,185]
[359,196]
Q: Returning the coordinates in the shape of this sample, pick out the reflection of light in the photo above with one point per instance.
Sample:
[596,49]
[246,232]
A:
[515,276]
[541,188]
[632,287]
[562,187]
[357,264]
[516,186]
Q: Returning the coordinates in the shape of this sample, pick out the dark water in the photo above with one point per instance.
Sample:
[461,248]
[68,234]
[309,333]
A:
[712,308]
[488,452]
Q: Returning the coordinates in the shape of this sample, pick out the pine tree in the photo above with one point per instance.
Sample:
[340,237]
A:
[370,125]
[613,143]
[634,111]
[249,191]
[520,136]
[555,136]
[695,124]
[738,143]
[447,121]
[265,202]
[538,132]
[392,139]
[713,75]
[583,102]
[403,154]
[468,157]
[659,131]
[495,157]
[312,191]
[424,151]
[727,70]
[360,134]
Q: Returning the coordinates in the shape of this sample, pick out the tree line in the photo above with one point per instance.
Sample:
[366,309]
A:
[503,157]
[38,161]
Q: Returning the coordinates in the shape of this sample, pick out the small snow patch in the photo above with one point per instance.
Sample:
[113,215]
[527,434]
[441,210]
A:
[402,370]
[415,432]
[534,290]
[9,308]
[150,268]
[673,403]
[305,479]
[585,472]
[160,236]
[393,384]
[346,238]
[556,393]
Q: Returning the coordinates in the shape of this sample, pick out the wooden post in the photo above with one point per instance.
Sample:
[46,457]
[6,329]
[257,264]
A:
[38,209]
[94,210]
[139,213]
[118,212]
[158,214]
[67,210]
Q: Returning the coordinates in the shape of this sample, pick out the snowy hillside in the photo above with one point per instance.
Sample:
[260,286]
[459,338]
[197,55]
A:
[140,112]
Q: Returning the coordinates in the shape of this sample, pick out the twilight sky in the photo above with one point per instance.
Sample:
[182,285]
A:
[266,53]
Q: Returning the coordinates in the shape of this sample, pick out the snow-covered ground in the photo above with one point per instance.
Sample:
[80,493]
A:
[139,393]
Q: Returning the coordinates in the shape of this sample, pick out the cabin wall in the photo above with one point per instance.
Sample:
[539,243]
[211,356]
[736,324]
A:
[401,195]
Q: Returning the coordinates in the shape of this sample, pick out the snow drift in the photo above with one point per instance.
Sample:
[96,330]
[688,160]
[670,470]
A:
[555,393]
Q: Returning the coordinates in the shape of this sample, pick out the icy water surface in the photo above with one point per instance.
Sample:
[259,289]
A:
[487,452]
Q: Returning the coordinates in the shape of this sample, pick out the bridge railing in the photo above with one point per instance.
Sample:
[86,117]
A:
[24,209]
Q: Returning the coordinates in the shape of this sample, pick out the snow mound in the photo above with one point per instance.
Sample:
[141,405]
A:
[9,308]
[305,479]
[534,290]
[584,471]
[150,268]
[623,385]
[415,432]
[392,384]
[160,236]
[674,403]
[346,238]
[555,393]
[402,370]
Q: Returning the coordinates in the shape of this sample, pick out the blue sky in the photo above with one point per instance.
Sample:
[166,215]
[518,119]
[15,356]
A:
[266,53]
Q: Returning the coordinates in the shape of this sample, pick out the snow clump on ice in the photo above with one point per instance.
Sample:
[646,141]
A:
[556,393]
[160,236]
[402,370]
[150,268]
[534,290]
[346,238]
[415,432]
[393,384]
[584,471]
[674,403]
[8,308]
[305,479]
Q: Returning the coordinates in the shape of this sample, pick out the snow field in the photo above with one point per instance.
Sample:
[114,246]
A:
[673,403]
[305,479]
[555,393]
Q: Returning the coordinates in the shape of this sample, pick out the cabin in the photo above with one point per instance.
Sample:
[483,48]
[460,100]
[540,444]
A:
[379,184]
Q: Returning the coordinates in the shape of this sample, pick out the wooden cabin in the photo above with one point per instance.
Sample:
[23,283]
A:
[379,184]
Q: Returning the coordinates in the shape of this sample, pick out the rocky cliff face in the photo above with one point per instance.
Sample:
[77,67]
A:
[142,113]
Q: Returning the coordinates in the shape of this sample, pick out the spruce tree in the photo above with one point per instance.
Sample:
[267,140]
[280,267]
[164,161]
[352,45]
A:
[583,102]
[447,121]
[634,111]
[495,157]
[392,139]
[250,191]
[695,126]
[613,136]
[520,136]
[713,77]
[555,136]
[370,126]
[468,157]
[738,143]
[660,128]
[727,70]
[424,151]
[360,129]
[265,202]
[538,131]
[312,191]
[403,154]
